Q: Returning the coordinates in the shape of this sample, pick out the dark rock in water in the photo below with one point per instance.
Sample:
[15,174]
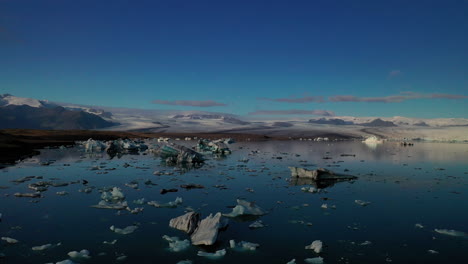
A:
[379,123]
[164,191]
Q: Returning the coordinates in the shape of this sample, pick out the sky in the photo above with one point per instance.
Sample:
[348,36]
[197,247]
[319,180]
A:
[251,58]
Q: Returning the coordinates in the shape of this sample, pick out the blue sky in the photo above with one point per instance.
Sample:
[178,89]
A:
[262,58]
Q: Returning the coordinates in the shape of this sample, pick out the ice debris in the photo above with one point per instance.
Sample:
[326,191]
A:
[362,203]
[316,246]
[218,254]
[244,207]
[215,147]
[173,204]
[319,174]
[93,146]
[110,242]
[10,240]
[124,231]
[317,260]
[433,251]
[175,244]
[67,261]
[292,261]
[116,206]
[372,142]
[451,232]
[187,261]
[257,224]
[113,196]
[207,231]
[243,246]
[46,246]
[82,255]
[419,225]
[176,154]
[187,222]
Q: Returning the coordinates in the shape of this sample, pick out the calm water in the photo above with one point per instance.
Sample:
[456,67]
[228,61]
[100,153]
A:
[425,184]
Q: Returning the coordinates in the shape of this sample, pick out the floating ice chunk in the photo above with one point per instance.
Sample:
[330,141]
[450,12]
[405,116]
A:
[116,206]
[366,243]
[207,230]
[124,231]
[218,254]
[316,246]
[67,261]
[419,226]
[113,196]
[83,254]
[257,224]
[110,242]
[362,203]
[94,146]
[317,260]
[10,240]
[372,142]
[245,208]
[139,201]
[62,193]
[319,174]
[433,251]
[173,204]
[310,189]
[121,258]
[175,244]
[449,232]
[324,206]
[187,261]
[136,210]
[292,261]
[243,246]
[187,222]
[46,246]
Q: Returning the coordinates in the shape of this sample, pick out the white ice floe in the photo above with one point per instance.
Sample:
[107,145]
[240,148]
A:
[433,251]
[94,146]
[81,255]
[362,203]
[310,189]
[419,225]
[187,261]
[243,246]
[110,242]
[207,230]
[218,254]
[46,246]
[116,206]
[173,204]
[139,201]
[317,260]
[10,240]
[316,246]
[124,231]
[176,245]
[366,243]
[372,142]
[449,232]
[121,258]
[244,207]
[257,224]
[113,196]
[292,261]
[324,206]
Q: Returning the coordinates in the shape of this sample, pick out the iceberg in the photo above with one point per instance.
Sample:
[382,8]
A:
[317,260]
[243,246]
[187,222]
[244,207]
[173,204]
[451,232]
[124,231]
[316,246]
[207,231]
[217,255]
[81,255]
[175,244]
[10,240]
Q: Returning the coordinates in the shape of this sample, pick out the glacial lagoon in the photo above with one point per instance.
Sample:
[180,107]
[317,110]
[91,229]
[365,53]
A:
[388,215]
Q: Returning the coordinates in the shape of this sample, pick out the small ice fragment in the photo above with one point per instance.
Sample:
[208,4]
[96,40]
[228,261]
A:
[139,201]
[218,254]
[324,206]
[46,246]
[121,258]
[292,261]
[433,251]
[83,254]
[243,246]
[67,261]
[173,204]
[62,193]
[175,244]
[317,260]
[316,246]
[10,240]
[110,242]
[125,231]
[450,232]
[113,196]
[365,243]
[419,225]
[257,224]
[187,261]
[361,202]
